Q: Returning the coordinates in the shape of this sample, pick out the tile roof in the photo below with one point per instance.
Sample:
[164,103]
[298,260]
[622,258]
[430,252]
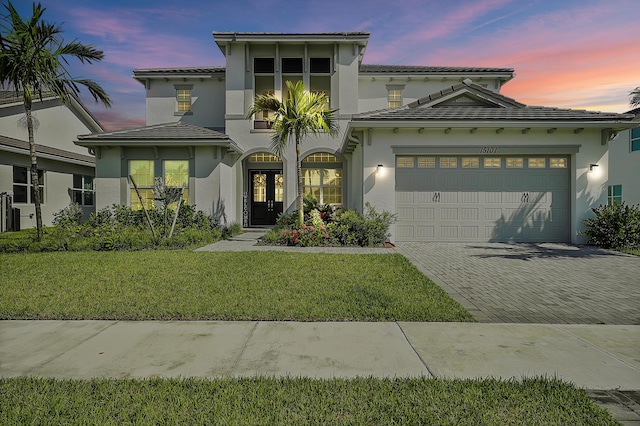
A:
[58,154]
[494,106]
[187,70]
[417,69]
[167,133]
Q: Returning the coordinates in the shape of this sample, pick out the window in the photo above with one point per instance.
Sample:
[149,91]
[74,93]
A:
[320,180]
[470,163]
[635,139]
[515,163]
[404,162]
[614,194]
[176,175]
[22,189]
[264,157]
[426,162]
[537,163]
[394,98]
[492,163]
[143,175]
[263,66]
[292,65]
[448,162]
[183,98]
[83,191]
[558,163]
[320,65]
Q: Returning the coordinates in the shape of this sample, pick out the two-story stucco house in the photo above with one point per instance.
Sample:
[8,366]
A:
[66,171]
[438,146]
[624,160]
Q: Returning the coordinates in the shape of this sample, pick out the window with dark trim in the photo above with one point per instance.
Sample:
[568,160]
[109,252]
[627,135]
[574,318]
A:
[83,192]
[635,139]
[22,189]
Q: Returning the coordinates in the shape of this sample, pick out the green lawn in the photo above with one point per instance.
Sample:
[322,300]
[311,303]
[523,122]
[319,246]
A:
[187,285]
[296,401]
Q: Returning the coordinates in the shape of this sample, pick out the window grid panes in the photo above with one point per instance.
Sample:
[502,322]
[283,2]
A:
[426,162]
[83,191]
[448,162]
[470,163]
[323,184]
[321,157]
[22,189]
[558,163]
[176,174]
[614,194]
[394,98]
[142,172]
[515,163]
[492,163]
[537,163]
[264,157]
[184,99]
[404,162]
[635,139]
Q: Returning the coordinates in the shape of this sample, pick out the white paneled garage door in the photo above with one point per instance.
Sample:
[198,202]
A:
[466,198]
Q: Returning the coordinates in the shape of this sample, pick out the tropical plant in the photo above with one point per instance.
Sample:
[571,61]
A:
[635,97]
[302,113]
[33,60]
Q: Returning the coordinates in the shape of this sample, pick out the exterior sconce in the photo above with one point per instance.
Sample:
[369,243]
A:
[380,170]
[592,167]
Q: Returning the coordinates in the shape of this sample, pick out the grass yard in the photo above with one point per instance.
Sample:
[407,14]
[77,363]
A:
[186,285]
[296,401]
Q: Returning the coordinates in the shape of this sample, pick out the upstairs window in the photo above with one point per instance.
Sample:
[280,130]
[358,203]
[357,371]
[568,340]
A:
[635,139]
[263,66]
[291,65]
[183,99]
[394,98]
[614,194]
[320,65]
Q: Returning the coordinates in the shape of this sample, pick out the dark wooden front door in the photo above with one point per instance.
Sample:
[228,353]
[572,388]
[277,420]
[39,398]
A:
[267,193]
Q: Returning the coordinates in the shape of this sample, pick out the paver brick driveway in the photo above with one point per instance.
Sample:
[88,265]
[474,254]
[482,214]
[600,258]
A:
[534,283]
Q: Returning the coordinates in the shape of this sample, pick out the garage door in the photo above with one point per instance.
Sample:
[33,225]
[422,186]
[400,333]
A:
[462,198]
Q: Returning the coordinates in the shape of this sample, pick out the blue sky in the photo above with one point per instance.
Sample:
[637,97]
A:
[566,53]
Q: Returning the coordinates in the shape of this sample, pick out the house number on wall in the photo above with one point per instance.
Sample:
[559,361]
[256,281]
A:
[488,150]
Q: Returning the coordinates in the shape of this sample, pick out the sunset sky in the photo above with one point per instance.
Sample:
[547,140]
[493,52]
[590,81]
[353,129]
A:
[582,54]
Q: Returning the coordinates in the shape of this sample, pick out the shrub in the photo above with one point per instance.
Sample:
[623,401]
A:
[120,228]
[342,228]
[616,226]
[68,216]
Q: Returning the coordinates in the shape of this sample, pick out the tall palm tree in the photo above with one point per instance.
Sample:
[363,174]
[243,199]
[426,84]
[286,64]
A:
[635,97]
[33,60]
[301,114]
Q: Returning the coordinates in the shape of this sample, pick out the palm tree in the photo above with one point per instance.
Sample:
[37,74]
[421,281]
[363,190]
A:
[33,60]
[635,97]
[301,114]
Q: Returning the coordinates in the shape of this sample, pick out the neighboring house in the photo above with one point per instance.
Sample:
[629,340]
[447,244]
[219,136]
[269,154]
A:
[624,165]
[66,170]
[438,146]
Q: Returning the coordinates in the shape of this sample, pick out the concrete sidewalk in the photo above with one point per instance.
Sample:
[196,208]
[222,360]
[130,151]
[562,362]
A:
[590,356]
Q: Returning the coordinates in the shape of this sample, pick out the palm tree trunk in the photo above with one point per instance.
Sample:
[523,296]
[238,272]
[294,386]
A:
[299,171]
[34,170]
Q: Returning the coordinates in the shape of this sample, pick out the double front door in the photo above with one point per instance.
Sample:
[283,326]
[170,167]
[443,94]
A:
[267,193]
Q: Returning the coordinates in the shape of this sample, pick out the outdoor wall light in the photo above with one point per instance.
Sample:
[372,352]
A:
[593,167]
[380,170]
